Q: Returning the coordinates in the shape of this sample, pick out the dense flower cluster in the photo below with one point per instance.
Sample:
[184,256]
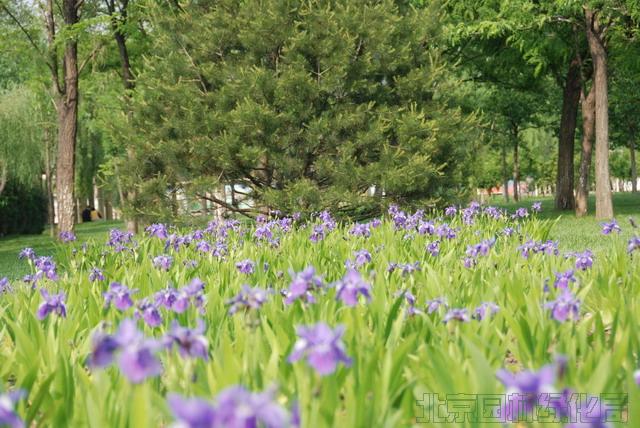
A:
[234,407]
[156,321]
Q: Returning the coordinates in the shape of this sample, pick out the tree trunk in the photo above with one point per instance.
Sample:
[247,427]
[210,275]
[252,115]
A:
[604,206]
[570,100]
[108,211]
[3,175]
[65,167]
[516,164]
[67,108]
[119,18]
[504,173]
[634,170]
[588,131]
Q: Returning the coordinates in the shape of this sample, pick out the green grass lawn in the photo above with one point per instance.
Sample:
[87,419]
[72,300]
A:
[44,245]
[576,234]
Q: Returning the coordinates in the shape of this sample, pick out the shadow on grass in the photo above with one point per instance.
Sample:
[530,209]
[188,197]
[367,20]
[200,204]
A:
[577,234]
[44,245]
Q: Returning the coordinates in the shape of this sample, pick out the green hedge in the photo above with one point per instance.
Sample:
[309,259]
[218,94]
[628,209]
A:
[23,210]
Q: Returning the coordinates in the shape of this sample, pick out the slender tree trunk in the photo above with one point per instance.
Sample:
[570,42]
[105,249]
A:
[634,169]
[51,214]
[203,206]
[108,211]
[3,175]
[504,172]
[119,18]
[174,201]
[568,119]
[588,134]
[516,164]
[604,206]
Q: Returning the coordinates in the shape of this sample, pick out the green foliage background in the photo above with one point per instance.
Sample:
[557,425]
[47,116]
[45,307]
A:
[308,104]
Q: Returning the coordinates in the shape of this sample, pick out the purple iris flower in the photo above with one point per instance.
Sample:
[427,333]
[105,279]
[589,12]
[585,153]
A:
[239,408]
[411,302]
[67,236]
[27,253]
[520,213]
[564,307]
[457,314]
[195,287]
[563,279]
[426,228]
[636,377]
[469,262]
[118,238]
[549,247]
[8,416]
[593,410]
[481,249]
[235,407]
[405,268]
[166,297]
[181,301]
[190,342]
[444,231]
[163,262]
[612,226]
[376,222]
[536,207]
[302,286]
[532,247]
[52,303]
[203,246]
[119,295]
[138,361]
[508,231]
[485,310]
[246,266]
[322,347]
[158,230]
[450,211]
[360,258]
[584,260]
[494,213]
[96,275]
[433,248]
[350,286]
[317,234]
[528,248]
[263,233]
[45,267]
[526,386]
[192,412]
[634,244]
[361,229]
[137,355]
[148,311]
[5,286]
[248,298]
[434,304]
[327,220]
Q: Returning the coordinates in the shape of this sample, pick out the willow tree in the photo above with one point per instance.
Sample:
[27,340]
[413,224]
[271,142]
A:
[21,142]
[60,31]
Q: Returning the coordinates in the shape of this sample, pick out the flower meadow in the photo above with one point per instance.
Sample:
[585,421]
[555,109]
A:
[285,323]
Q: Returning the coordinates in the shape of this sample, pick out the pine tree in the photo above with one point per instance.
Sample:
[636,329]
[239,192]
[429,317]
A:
[306,104]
